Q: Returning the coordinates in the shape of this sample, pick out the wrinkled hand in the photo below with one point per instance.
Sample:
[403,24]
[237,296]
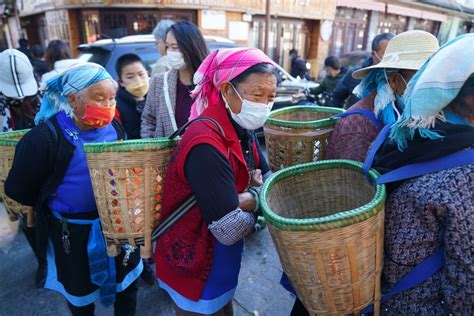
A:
[247,201]
[257,178]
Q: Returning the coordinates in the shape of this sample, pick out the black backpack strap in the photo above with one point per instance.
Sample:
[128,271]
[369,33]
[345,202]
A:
[52,129]
[121,134]
[181,130]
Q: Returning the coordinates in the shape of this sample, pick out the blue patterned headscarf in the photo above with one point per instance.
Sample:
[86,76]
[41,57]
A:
[384,103]
[433,87]
[72,80]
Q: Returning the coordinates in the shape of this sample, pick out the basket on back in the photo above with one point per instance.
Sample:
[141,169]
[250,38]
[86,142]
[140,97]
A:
[14,209]
[127,179]
[326,221]
[298,134]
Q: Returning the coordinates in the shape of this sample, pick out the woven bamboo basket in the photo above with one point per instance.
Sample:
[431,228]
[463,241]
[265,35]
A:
[127,179]
[326,221]
[298,134]
[14,209]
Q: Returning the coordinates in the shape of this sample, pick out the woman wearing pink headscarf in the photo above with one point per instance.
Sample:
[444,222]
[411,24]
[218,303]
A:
[198,259]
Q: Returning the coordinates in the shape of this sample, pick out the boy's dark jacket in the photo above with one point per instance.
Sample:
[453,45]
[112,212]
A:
[129,115]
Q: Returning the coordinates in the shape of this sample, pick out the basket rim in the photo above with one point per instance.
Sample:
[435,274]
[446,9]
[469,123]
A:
[328,222]
[9,138]
[131,145]
[307,124]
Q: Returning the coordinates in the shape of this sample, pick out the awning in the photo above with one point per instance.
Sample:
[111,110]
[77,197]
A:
[362,5]
[421,14]
[392,9]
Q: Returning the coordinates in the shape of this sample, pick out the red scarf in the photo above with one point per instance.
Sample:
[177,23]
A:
[183,255]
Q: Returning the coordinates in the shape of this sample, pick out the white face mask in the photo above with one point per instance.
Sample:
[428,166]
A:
[252,114]
[176,60]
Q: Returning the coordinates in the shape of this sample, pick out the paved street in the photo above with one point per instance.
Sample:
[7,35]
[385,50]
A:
[258,293]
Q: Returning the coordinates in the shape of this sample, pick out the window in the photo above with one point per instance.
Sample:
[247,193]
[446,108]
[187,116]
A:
[115,24]
[144,23]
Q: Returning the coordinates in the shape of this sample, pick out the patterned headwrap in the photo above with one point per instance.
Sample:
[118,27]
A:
[60,86]
[432,88]
[221,66]
[384,106]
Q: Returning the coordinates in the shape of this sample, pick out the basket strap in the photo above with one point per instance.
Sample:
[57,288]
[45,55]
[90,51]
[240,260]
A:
[52,129]
[378,142]
[368,114]
[420,273]
[459,158]
[182,210]
[181,130]
[174,217]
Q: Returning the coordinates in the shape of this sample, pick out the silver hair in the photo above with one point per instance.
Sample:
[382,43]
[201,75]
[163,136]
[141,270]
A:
[66,107]
[161,29]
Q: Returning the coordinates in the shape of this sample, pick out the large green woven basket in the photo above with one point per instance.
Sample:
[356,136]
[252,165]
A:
[326,221]
[127,179]
[298,134]
[8,142]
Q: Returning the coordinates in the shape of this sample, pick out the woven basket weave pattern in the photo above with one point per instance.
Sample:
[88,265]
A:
[127,188]
[326,221]
[298,135]
[14,209]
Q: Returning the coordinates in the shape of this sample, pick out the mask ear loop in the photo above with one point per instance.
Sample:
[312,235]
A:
[393,102]
[237,92]
[377,55]
[404,81]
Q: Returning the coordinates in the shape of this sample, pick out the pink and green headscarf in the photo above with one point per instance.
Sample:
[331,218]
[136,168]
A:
[221,66]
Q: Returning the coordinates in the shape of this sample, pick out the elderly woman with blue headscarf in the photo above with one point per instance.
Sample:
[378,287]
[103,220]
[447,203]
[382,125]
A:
[50,173]
[429,213]
[380,92]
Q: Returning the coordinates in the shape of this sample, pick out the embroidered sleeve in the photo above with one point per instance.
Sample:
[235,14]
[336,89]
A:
[232,227]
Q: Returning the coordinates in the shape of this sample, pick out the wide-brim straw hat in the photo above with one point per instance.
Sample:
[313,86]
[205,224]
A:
[408,50]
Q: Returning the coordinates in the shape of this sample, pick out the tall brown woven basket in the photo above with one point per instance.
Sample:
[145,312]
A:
[326,221]
[127,179]
[298,134]
[14,209]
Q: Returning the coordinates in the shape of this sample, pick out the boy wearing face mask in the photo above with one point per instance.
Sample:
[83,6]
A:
[131,94]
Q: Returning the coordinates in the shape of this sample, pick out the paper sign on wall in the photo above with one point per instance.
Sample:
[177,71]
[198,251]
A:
[213,20]
[238,31]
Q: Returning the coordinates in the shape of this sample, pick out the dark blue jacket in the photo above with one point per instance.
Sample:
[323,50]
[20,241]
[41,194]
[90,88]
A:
[131,117]
[346,85]
[298,68]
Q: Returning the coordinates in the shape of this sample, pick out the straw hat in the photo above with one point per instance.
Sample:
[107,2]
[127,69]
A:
[408,50]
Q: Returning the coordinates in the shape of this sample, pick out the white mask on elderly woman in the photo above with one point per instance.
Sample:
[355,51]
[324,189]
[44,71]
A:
[176,60]
[252,114]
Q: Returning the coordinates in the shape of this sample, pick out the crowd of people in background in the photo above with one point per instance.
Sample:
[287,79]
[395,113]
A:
[419,95]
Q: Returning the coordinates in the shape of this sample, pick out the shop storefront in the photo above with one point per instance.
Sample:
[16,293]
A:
[285,34]
[104,23]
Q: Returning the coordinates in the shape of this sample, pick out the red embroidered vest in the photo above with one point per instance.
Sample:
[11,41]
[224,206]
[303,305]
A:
[183,255]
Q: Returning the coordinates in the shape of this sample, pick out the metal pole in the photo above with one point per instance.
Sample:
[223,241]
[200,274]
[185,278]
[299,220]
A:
[267,27]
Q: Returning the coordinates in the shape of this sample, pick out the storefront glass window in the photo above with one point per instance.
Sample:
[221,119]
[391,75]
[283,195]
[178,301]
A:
[90,22]
[144,23]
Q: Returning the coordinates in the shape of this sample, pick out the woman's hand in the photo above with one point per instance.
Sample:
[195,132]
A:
[247,201]
[257,178]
